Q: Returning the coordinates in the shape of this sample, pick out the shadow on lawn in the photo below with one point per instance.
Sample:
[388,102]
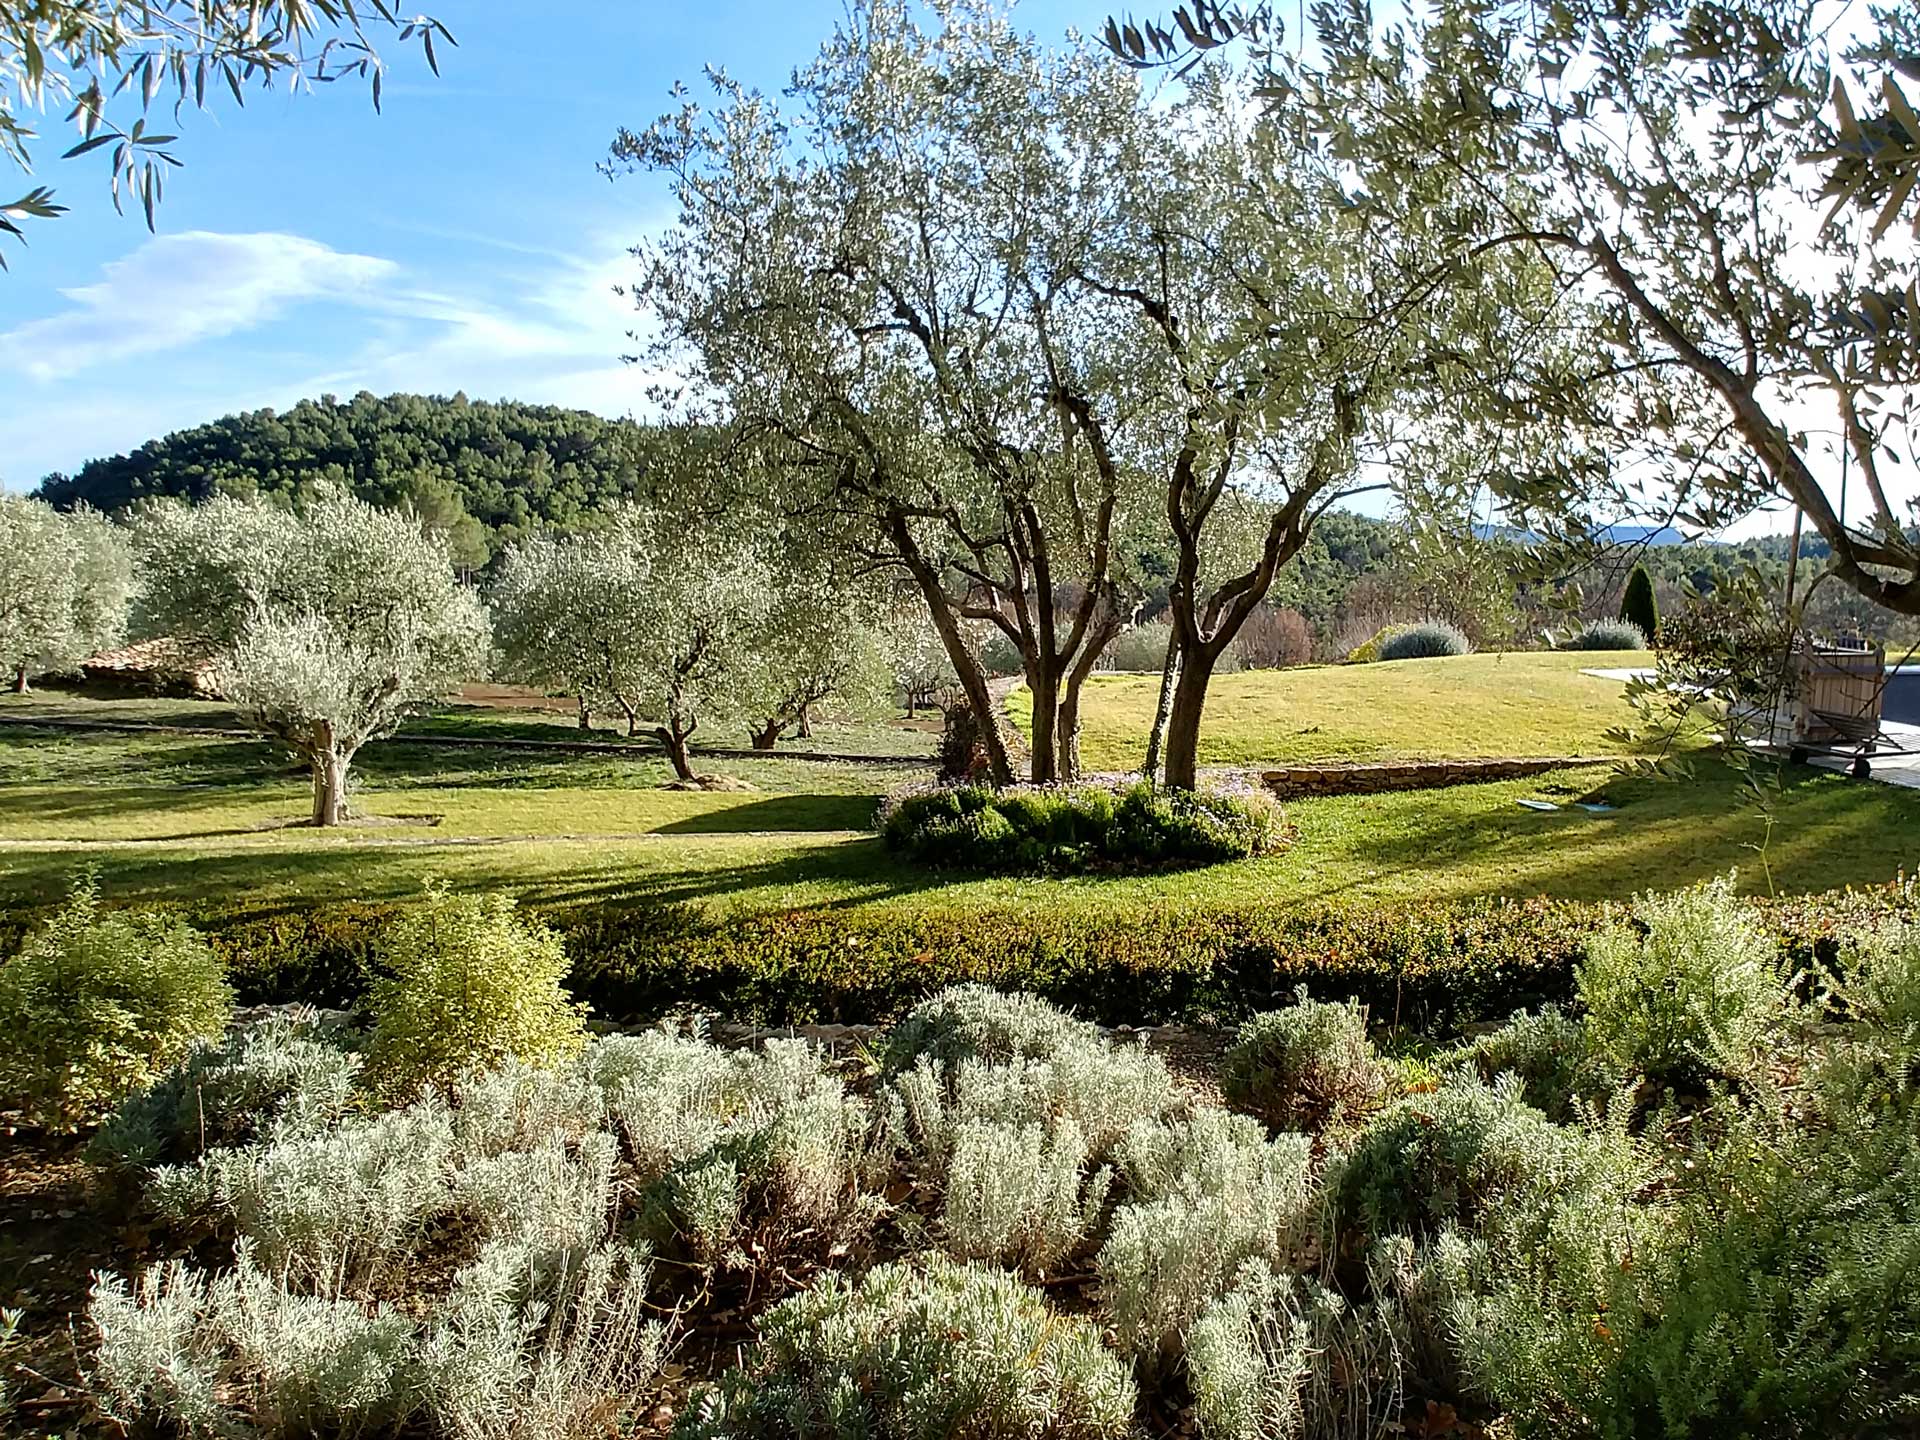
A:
[1828,831]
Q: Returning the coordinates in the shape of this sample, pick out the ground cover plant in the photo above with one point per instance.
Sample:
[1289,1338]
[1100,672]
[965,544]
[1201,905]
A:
[1001,1220]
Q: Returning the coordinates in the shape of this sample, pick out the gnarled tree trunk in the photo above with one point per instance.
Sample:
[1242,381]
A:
[767,735]
[329,761]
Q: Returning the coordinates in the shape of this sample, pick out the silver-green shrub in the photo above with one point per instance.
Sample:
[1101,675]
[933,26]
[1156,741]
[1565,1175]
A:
[977,1022]
[728,1141]
[1021,1195]
[519,1105]
[1691,987]
[1606,635]
[1281,1357]
[919,1354]
[242,1353]
[551,1201]
[1428,640]
[522,1350]
[1547,1050]
[287,1076]
[328,1209]
[1307,1067]
[1459,1153]
[98,1004]
[1208,1193]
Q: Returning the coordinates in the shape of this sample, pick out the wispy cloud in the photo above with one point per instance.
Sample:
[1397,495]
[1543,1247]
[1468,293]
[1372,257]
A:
[545,327]
[177,290]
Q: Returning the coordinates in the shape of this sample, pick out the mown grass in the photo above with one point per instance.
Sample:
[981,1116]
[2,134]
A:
[1459,708]
[780,852]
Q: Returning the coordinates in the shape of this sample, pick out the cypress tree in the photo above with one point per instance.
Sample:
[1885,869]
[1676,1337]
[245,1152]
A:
[1638,604]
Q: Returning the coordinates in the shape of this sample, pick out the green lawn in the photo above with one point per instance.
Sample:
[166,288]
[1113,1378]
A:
[203,820]
[1460,708]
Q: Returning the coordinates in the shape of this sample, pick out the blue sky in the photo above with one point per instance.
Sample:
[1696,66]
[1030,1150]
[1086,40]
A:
[460,240]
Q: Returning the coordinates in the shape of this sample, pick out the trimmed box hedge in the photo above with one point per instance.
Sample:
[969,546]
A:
[1440,967]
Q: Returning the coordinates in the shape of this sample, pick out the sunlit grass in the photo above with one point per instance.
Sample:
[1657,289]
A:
[1458,708]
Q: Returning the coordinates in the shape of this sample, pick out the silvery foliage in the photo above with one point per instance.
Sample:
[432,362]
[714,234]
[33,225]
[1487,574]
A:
[1021,1195]
[1281,1357]
[919,1353]
[1206,1193]
[242,1353]
[549,1201]
[726,1139]
[517,1105]
[326,623]
[820,640]
[288,1076]
[523,1349]
[329,1208]
[1015,1106]
[64,587]
[646,611]
[977,1022]
[520,1348]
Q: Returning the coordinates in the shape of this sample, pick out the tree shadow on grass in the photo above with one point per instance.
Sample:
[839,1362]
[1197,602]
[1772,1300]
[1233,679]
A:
[1827,831]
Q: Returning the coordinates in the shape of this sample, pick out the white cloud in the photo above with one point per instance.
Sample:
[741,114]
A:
[176,290]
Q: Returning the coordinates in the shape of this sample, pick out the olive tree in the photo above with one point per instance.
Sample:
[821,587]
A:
[649,612]
[1722,193]
[567,612]
[820,639]
[326,624]
[877,287]
[65,578]
[105,62]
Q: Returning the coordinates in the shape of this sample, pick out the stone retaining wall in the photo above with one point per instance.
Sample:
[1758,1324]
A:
[1360,779]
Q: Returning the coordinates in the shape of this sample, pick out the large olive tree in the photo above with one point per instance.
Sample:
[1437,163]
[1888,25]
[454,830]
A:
[878,286]
[326,624]
[1723,194]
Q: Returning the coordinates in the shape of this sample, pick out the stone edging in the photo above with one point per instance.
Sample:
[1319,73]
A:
[1366,778]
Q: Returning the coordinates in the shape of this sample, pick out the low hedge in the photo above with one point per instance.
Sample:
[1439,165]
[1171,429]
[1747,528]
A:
[1439,967]
[1067,829]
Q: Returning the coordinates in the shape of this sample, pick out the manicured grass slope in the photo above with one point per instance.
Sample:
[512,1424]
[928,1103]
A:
[1458,708]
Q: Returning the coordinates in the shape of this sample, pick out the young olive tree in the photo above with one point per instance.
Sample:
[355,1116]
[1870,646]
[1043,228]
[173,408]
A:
[567,614]
[878,288]
[820,640]
[65,579]
[326,624]
[650,612]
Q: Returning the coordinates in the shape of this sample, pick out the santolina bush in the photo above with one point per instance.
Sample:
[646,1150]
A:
[1078,827]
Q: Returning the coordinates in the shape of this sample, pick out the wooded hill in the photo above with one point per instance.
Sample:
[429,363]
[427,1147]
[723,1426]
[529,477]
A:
[485,472]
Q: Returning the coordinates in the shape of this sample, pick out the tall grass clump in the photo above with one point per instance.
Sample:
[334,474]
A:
[1428,640]
[99,1003]
[466,984]
[919,1353]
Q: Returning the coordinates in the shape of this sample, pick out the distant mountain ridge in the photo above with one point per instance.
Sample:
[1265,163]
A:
[1643,535]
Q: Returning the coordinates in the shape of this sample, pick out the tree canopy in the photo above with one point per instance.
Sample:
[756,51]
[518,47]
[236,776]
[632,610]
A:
[64,584]
[326,623]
